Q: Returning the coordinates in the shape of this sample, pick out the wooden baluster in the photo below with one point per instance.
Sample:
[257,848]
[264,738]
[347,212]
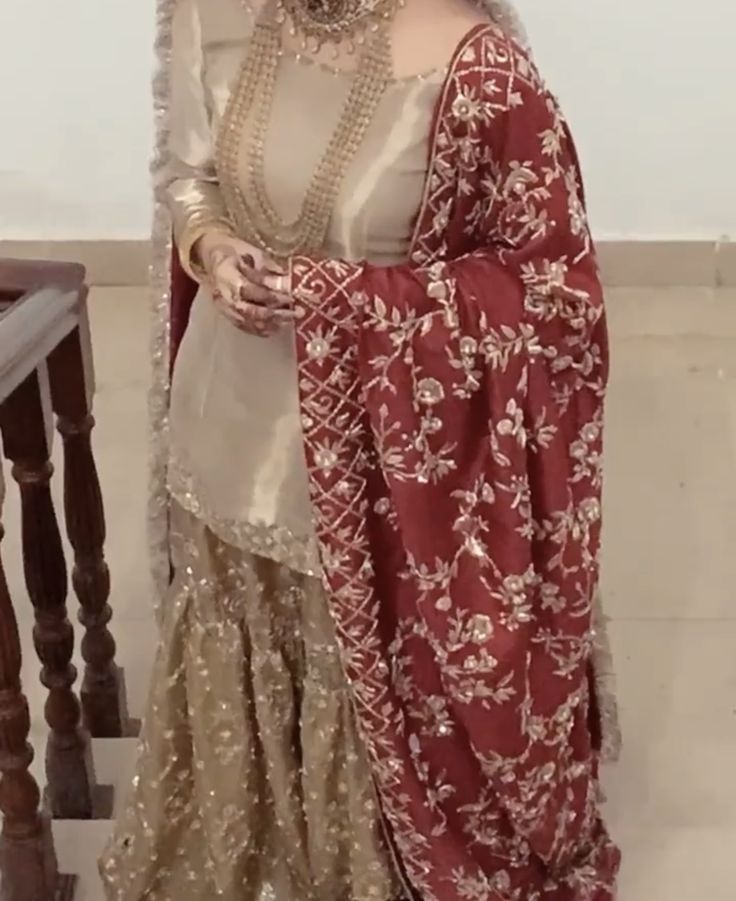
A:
[28,867]
[27,430]
[103,694]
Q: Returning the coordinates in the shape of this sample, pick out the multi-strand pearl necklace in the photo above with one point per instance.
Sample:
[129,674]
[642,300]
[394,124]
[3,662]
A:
[251,103]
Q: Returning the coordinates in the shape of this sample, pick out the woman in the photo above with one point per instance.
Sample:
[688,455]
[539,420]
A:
[383,453]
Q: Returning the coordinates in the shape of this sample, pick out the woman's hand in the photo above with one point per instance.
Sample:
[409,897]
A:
[237,272]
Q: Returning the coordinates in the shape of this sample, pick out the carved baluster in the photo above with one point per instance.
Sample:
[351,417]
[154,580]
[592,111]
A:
[103,687]
[28,867]
[27,429]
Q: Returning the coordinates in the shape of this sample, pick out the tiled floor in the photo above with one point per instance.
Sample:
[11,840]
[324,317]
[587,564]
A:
[669,579]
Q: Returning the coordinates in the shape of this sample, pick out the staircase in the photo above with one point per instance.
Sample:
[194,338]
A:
[59,787]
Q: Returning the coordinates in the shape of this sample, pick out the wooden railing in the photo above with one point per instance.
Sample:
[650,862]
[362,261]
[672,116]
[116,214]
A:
[46,375]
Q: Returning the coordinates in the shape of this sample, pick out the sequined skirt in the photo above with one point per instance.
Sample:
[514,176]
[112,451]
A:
[252,783]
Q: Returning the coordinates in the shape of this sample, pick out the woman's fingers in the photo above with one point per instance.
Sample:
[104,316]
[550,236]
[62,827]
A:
[279,283]
[250,296]
[258,290]
[256,319]
[284,316]
[282,301]
[236,287]
[257,261]
[256,295]
[267,317]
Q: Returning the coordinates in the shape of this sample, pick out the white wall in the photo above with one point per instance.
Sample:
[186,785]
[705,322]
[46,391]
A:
[649,86]
[75,118]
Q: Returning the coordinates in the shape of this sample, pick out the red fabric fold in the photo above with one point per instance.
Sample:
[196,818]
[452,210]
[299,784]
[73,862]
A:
[183,292]
[452,412]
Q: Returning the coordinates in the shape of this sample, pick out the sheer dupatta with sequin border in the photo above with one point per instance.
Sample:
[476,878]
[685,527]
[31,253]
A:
[452,413]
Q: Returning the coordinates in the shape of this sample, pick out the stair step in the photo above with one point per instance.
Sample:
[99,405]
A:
[79,844]
[114,762]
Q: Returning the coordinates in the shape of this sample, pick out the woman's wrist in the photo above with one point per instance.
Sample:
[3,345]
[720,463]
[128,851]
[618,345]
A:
[193,245]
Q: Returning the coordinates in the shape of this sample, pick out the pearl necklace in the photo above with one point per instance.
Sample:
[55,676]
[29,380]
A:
[251,102]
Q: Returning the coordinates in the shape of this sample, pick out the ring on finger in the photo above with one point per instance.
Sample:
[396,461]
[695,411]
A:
[279,284]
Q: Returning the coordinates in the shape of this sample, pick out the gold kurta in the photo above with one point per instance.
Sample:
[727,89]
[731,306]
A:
[252,783]
[251,488]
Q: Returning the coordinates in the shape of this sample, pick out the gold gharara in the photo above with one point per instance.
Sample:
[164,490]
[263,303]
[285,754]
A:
[251,105]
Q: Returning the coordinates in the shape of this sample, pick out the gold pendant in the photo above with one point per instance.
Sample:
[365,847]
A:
[324,21]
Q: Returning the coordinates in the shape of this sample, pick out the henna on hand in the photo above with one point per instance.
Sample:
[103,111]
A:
[238,275]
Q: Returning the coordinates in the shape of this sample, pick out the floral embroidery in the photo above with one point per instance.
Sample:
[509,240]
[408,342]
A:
[453,431]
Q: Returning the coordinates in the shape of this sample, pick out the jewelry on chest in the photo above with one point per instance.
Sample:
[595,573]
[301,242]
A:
[241,145]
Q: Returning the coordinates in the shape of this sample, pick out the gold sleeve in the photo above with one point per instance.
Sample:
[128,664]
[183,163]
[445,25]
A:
[192,188]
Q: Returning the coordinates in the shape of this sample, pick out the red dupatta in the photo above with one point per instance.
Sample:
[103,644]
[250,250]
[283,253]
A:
[452,412]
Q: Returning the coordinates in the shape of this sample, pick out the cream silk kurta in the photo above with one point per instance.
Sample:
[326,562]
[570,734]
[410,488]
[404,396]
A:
[237,459]
[252,783]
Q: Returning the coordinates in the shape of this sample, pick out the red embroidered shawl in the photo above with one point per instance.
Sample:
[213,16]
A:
[452,412]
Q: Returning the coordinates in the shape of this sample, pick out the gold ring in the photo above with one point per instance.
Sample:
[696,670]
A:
[281,284]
